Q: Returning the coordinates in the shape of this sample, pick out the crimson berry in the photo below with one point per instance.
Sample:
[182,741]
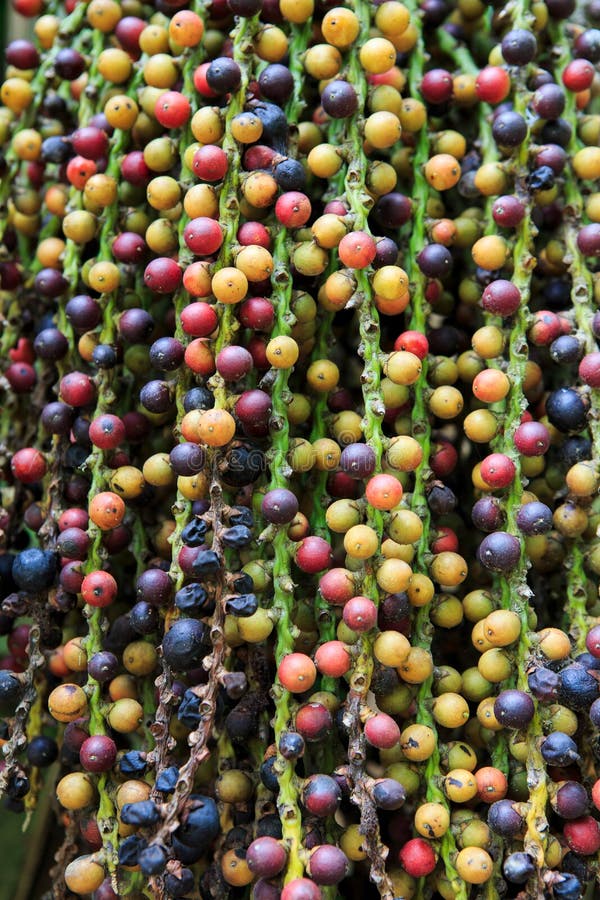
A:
[592,641]
[257,313]
[382,732]
[501,298]
[129,247]
[492,85]
[578,75]
[357,250]
[90,142]
[199,319]
[210,163]
[445,541]
[293,209]
[203,236]
[417,857]
[360,613]
[99,589]
[28,465]
[337,586]
[107,431]
[313,721]
[128,31]
[134,169]
[313,555]
[498,470]
[589,369]
[98,753]
[437,86]
[266,857]
[301,889]
[508,211]
[413,342]
[532,439]
[443,459]
[172,109]
[21,377]
[588,239]
[254,233]
[73,518]
[583,835]
[328,864]
[321,795]
[163,275]
[234,362]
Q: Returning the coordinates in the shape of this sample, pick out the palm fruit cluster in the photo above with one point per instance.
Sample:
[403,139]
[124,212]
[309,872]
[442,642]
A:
[300,447]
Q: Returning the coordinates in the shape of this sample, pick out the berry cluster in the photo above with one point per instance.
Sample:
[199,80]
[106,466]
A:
[300,446]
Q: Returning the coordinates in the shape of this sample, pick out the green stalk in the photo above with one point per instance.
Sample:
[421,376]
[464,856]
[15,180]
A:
[283,586]
[421,431]
[360,201]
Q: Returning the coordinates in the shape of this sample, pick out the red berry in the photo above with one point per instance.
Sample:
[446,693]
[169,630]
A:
[360,614]
[532,438]
[210,163]
[382,732]
[417,857]
[203,236]
[583,835]
[200,82]
[332,659]
[337,586]
[301,889]
[21,377]
[313,555]
[28,465]
[99,588]
[313,721]
[592,641]
[498,470]
[163,275]
[414,342]
[172,109]
[492,85]
[357,250]
[77,389]
[297,672]
[437,86]
[107,431]
[79,170]
[199,319]
[545,329]
[293,209]
[589,369]
[254,233]
[578,75]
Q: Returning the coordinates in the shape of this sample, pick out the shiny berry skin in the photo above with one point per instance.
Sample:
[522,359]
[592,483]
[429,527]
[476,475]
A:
[332,659]
[357,250]
[266,857]
[500,552]
[297,672]
[578,75]
[313,555]
[498,470]
[514,708]
[518,47]
[437,86]
[99,589]
[589,369]
[301,889]
[382,732]
[210,163]
[321,795]
[414,342]
[107,431]
[328,864]
[532,439]
[279,506]
[492,84]
[163,275]
[360,614]
[172,109]
[501,298]
[203,236]
[293,209]
[98,753]
[339,99]
[28,465]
